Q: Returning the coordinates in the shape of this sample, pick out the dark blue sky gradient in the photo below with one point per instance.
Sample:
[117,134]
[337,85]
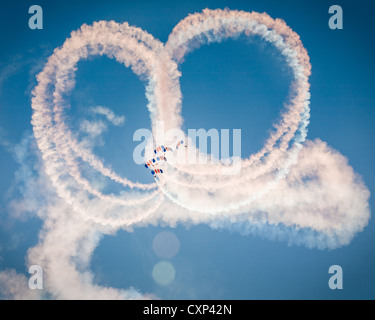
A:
[236,84]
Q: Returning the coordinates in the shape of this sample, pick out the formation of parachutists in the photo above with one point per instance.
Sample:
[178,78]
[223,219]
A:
[160,156]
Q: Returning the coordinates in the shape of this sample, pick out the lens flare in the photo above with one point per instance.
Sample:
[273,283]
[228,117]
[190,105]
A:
[163,273]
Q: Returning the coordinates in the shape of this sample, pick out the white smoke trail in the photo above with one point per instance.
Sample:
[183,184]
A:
[109,114]
[296,190]
[62,152]
[265,175]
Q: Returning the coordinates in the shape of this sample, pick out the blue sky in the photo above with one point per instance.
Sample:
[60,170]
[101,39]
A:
[234,84]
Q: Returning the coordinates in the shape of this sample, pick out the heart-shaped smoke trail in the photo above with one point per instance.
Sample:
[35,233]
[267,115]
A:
[299,191]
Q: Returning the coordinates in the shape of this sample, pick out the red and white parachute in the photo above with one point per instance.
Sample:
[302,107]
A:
[160,157]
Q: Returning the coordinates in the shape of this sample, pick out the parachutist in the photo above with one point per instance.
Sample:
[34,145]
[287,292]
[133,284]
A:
[161,158]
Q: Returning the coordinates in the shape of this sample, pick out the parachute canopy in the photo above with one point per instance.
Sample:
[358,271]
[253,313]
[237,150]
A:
[160,156]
